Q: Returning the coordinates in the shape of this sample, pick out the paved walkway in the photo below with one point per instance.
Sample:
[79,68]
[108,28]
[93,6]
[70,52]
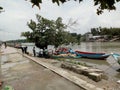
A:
[59,71]
[8,50]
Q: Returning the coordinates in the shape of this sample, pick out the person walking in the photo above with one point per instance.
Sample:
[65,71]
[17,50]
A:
[25,50]
[34,51]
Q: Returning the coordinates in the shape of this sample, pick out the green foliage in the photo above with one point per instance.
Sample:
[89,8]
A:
[17,41]
[103,4]
[48,32]
[106,31]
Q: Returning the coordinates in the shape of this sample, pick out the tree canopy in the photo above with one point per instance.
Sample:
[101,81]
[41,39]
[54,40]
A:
[48,32]
[103,4]
[112,32]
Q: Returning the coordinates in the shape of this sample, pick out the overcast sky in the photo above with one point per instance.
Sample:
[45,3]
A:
[18,12]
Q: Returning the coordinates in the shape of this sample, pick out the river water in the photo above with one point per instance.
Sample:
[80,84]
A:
[110,66]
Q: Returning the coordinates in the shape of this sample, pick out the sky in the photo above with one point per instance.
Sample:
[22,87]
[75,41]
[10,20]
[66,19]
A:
[18,12]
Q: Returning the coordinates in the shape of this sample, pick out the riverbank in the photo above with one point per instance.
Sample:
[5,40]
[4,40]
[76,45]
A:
[54,65]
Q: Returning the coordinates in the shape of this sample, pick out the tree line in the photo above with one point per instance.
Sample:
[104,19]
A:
[111,32]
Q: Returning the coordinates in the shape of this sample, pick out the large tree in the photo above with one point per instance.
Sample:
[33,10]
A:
[47,32]
[103,4]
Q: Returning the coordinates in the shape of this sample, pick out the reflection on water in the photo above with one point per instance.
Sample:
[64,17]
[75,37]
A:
[107,47]
[97,46]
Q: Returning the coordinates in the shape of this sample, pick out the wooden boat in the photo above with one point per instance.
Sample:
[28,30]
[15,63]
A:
[92,55]
[116,57]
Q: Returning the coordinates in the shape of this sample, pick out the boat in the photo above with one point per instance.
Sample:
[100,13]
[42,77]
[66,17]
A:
[65,56]
[116,57]
[92,55]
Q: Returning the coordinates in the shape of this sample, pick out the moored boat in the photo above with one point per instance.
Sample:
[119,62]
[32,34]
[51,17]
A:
[92,55]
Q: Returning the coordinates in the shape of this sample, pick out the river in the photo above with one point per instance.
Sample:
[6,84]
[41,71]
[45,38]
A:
[109,66]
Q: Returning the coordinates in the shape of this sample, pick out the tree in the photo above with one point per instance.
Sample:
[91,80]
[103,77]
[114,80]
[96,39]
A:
[47,32]
[1,9]
[110,32]
[103,4]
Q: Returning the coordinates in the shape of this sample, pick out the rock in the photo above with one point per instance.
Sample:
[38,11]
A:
[79,70]
[85,72]
[66,66]
[82,67]
[95,76]
[96,70]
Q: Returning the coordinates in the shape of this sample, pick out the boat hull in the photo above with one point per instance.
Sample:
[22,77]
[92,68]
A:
[91,55]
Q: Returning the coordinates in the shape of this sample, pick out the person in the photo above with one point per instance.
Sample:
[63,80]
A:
[25,50]
[71,51]
[34,51]
[22,48]
[41,53]
[5,44]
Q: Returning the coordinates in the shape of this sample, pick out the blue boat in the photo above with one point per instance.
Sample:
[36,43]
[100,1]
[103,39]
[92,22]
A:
[92,55]
[116,57]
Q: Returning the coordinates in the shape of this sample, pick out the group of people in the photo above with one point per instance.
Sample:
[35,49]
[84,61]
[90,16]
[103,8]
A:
[24,50]
[63,50]
[41,53]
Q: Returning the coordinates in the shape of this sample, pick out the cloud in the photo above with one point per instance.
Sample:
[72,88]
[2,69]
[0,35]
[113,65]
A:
[19,12]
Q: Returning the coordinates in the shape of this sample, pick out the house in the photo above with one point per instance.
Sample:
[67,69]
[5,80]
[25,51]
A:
[88,37]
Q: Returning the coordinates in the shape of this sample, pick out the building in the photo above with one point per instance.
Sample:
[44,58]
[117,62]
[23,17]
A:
[88,36]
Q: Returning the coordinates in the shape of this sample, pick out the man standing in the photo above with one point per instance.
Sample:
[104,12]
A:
[34,51]
[5,44]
